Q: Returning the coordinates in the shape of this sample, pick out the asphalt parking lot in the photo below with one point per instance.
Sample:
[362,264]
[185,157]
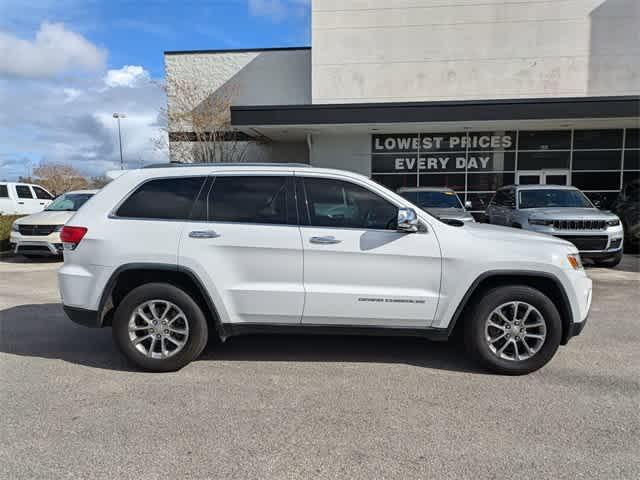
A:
[313,407]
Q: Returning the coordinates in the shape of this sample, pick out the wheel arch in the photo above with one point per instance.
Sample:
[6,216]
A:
[547,283]
[129,276]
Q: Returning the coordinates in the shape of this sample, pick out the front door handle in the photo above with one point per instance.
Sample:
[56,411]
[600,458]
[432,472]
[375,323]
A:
[329,240]
[203,234]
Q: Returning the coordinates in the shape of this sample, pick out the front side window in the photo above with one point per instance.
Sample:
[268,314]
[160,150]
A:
[335,203]
[163,199]
[42,194]
[23,191]
[553,198]
[69,202]
[250,199]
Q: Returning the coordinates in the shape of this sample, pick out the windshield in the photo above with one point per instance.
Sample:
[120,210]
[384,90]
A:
[433,199]
[553,198]
[69,202]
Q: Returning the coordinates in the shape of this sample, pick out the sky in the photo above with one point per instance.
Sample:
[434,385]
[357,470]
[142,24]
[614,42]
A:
[67,65]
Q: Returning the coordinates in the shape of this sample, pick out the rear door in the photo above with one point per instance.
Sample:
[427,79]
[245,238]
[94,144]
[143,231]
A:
[44,197]
[358,269]
[27,201]
[244,243]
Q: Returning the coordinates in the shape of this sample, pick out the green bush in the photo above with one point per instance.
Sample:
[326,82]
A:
[5,229]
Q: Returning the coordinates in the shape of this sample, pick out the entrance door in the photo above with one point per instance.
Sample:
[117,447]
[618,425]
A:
[543,177]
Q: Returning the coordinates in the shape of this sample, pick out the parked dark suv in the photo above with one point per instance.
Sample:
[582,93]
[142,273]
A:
[627,207]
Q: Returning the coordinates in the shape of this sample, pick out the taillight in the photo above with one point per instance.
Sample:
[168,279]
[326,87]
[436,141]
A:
[71,236]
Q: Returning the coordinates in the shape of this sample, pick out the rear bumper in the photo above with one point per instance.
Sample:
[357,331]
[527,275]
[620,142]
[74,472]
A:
[82,316]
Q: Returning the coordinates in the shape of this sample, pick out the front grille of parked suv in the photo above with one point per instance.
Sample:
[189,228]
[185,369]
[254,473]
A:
[39,230]
[579,224]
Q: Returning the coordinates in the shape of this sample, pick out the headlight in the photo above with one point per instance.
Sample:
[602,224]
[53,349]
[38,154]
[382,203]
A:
[58,228]
[575,261]
[14,227]
[613,223]
[538,221]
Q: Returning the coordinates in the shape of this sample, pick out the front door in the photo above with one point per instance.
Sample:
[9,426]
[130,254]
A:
[358,269]
[543,177]
[244,243]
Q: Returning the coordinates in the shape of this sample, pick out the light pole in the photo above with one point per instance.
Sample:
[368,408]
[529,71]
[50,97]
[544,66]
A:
[118,116]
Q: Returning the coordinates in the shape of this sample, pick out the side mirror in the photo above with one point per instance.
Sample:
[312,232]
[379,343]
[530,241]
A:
[468,205]
[407,220]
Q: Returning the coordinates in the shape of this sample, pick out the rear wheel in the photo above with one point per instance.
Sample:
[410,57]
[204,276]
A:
[513,330]
[159,327]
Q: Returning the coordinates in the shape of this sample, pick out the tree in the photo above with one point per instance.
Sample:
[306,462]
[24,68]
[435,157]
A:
[59,178]
[99,182]
[201,120]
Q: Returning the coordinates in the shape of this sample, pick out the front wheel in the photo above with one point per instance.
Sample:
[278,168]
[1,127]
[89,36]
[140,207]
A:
[513,330]
[159,327]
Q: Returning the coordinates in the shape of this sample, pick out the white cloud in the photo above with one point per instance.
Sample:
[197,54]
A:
[127,76]
[277,10]
[54,50]
[62,120]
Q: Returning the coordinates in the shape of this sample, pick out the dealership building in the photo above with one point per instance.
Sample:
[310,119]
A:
[468,94]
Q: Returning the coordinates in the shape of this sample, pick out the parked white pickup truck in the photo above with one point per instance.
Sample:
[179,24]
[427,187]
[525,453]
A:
[23,198]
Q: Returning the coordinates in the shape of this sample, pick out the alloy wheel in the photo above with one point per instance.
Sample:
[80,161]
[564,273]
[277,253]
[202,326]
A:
[158,329]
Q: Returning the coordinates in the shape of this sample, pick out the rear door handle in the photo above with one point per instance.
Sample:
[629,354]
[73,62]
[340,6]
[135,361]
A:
[204,234]
[329,240]
[20,203]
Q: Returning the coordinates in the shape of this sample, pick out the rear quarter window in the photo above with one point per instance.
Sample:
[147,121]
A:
[23,191]
[4,191]
[163,199]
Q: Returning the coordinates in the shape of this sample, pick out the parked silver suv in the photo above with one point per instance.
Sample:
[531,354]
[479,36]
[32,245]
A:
[564,212]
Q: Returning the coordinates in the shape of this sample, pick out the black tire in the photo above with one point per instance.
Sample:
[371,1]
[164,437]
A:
[474,330]
[610,262]
[197,325]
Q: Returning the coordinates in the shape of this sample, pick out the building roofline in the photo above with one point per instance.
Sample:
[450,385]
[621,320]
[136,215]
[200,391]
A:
[438,111]
[234,50]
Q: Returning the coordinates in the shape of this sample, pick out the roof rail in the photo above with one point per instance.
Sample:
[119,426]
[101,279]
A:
[226,164]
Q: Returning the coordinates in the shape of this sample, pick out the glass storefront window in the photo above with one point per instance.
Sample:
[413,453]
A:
[632,139]
[597,160]
[542,160]
[632,159]
[596,180]
[453,180]
[489,181]
[605,139]
[545,140]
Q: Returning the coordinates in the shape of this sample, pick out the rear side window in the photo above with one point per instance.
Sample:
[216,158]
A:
[252,199]
[335,203]
[23,191]
[4,191]
[164,199]
[42,193]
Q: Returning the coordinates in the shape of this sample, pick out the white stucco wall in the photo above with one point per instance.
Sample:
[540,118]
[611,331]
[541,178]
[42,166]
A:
[411,50]
[347,152]
[249,78]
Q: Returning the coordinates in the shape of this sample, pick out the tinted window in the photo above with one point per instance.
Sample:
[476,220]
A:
[42,194]
[4,191]
[169,198]
[633,138]
[540,160]
[632,160]
[597,160]
[597,139]
[596,181]
[504,198]
[454,181]
[23,191]
[433,199]
[334,203]
[540,140]
[489,181]
[254,199]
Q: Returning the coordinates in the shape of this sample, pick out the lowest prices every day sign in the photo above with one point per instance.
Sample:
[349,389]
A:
[441,152]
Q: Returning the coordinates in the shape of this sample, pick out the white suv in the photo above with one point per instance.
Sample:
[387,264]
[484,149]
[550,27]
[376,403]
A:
[170,256]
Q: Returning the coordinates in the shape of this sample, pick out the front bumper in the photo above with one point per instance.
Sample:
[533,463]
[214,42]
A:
[590,243]
[36,245]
